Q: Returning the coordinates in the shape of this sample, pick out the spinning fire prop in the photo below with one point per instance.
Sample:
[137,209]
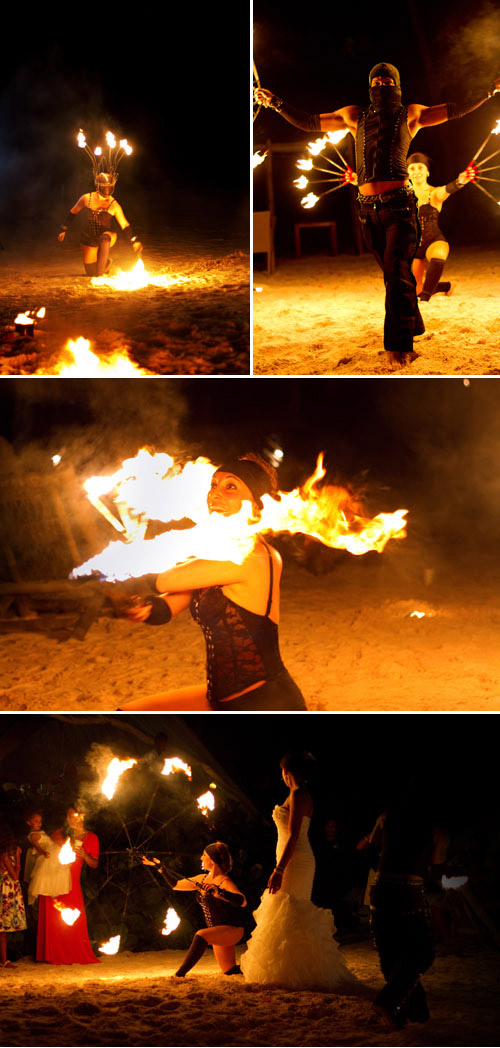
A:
[154,487]
[476,171]
[341,175]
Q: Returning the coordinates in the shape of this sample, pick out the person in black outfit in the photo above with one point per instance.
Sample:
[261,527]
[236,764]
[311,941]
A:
[399,914]
[102,215]
[236,605]
[387,204]
[433,248]
[223,909]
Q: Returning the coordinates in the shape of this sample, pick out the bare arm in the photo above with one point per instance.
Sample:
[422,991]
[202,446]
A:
[428,116]
[12,868]
[34,838]
[198,574]
[299,806]
[340,120]
[118,214]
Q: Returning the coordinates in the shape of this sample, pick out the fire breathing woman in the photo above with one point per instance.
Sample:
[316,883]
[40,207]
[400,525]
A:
[102,214]
[433,248]
[236,605]
[222,904]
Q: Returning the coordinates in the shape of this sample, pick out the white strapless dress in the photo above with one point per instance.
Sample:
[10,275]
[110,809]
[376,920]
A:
[47,876]
[293,944]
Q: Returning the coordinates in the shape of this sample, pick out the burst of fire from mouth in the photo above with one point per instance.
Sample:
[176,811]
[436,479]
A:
[206,802]
[66,854]
[174,764]
[115,770]
[112,946]
[152,487]
[172,921]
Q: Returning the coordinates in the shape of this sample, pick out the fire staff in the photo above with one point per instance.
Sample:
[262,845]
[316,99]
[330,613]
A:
[223,908]
[433,248]
[236,605]
[387,203]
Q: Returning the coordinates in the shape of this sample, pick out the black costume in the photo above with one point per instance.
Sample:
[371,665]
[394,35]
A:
[399,914]
[96,221]
[243,649]
[219,911]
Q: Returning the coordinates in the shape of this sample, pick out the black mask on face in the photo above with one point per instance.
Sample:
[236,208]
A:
[384,96]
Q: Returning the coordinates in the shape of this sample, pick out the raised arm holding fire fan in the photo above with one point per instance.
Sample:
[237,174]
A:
[387,202]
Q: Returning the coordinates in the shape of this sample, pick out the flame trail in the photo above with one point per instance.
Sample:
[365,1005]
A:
[115,770]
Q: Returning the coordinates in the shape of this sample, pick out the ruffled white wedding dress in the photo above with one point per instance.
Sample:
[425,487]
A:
[293,944]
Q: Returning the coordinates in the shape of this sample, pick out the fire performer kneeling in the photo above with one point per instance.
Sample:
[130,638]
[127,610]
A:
[236,605]
[433,247]
[101,211]
[222,904]
[387,203]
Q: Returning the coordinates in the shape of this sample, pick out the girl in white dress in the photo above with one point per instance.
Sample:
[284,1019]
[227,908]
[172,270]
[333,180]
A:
[293,945]
[43,871]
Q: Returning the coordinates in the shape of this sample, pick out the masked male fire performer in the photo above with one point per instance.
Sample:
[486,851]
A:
[433,248]
[101,214]
[387,203]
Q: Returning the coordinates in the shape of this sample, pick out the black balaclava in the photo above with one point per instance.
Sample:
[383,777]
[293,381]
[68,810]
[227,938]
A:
[384,96]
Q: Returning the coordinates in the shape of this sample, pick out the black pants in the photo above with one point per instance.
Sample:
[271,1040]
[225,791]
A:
[391,231]
[401,927]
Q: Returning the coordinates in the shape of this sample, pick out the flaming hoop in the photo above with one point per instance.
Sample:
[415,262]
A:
[340,174]
[476,171]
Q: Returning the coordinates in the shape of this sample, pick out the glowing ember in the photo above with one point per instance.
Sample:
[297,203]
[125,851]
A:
[23,318]
[152,487]
[137,278]
[305,165]
[417,615]
[85,364]
[453,882]
[258,158]
[56,459]
[301,182]
[115,770]
[172,921]
[496,129]
[66,854]
[41,313]
[206,802]
[173,764]
[111,947]
[68,915]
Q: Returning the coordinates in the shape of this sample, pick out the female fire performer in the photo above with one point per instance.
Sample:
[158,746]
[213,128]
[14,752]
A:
[236,605]
[98,231]
[222,904]
[383,131]
[433,247]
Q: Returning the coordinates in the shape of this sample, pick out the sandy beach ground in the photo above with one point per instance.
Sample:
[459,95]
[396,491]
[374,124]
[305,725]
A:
[199,326]
[348,637]
[129,999]
[324,315]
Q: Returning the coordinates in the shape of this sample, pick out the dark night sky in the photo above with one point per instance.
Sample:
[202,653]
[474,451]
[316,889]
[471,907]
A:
[430,445]
[173,81]
[319,59]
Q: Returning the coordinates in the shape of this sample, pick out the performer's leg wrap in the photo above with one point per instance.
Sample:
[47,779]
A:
[432,276]
[103,254]
[196,950]
[91,269]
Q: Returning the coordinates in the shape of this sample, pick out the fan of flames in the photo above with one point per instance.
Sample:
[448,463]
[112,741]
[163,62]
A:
[153,487]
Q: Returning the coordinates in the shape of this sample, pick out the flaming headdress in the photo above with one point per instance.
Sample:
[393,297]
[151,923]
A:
[105,159]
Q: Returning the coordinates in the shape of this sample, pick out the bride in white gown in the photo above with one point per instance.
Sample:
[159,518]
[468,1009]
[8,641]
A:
[293,944]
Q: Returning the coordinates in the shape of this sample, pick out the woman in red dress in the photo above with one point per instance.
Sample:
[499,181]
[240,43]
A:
[58,942]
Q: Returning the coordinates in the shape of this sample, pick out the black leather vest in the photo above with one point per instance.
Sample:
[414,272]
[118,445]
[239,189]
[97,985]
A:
[382,143]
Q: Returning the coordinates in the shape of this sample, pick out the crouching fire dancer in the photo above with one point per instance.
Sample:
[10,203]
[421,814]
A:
[433,248]
[236,605]
[102,214]
[223,908]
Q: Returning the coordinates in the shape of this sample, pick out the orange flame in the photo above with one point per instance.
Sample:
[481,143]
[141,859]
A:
[81,361]
[172,921]
[66,854]
[111,947]
[136,278]
[153,487]
[115,770]
[173,764]
[206,802]
[68,915]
